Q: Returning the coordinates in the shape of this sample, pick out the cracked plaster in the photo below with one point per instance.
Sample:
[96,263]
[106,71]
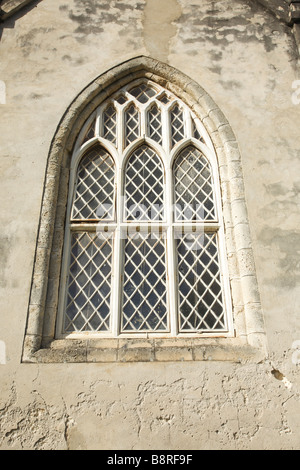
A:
[246,58]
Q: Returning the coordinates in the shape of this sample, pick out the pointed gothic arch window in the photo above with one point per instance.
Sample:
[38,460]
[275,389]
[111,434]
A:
[144,241]
[135,240]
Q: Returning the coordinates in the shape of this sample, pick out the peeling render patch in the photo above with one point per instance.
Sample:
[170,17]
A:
[221,409]
[226,22]
[94,17]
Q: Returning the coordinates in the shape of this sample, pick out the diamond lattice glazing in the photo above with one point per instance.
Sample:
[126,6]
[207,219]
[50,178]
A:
[177,125]
[154,124]
[132,124]
[144,186]
[89,283]
[143,93]
[200,292]
[110,124]
[144,291]
[194,196]
[94,195]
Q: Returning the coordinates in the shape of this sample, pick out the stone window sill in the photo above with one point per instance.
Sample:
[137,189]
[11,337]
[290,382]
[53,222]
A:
[112,350]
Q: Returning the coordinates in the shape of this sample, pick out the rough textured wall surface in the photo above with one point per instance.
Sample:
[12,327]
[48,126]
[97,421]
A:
[244,55]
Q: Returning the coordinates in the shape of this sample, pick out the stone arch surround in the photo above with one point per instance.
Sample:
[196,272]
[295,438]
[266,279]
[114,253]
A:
[249,342]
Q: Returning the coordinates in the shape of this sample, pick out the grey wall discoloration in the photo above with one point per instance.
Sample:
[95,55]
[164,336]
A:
[222,24]
[244,55]
[31,41]
[286,243]
[92,17]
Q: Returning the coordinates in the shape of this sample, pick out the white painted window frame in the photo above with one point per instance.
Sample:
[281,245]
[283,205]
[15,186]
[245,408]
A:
[167,156]
[249,342]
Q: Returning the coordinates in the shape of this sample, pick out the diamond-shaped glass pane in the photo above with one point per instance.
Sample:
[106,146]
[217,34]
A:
[193,187]
[110,124]
[121,99]
[144,186]
[144,290]
[154,124]
[94,194]
[143,92]
[89,283]
[200,293]
[177,125]
[132,124]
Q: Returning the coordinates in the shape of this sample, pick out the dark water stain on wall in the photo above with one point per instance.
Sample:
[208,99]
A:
[287,242]
[92,16]
[31,41]
[224,22]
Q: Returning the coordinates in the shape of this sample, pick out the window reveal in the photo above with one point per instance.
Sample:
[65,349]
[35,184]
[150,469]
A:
[142,249]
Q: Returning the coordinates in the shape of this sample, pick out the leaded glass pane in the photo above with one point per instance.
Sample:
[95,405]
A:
[193,187]
[94,194]
[143,304]
[110,124]
[144,290]
[164,98]
[200,293]
[121,99]
[144,190]
[177,125]
[154,124]
[132,124]
[143,92]
[89,283]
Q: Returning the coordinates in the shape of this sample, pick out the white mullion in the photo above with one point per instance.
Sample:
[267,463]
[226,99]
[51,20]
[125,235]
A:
[143,121]
[166,130]
[120,128]
[115,284]
[171,265]
[117,262]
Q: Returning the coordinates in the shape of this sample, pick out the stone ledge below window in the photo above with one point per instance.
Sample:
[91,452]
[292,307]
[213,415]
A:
[108,350]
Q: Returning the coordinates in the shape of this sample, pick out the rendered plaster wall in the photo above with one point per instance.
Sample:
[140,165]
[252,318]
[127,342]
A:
[245,57]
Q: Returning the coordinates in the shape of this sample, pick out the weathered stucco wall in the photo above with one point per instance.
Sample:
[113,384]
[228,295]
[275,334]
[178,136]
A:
[245,57]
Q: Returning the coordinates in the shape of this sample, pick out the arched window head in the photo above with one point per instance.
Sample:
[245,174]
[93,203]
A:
[146,259]
[134,239]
